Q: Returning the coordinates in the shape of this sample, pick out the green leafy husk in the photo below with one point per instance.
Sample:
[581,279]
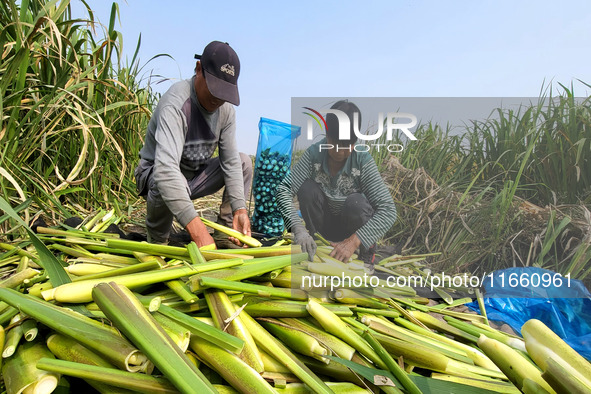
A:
[203,330]
[426,385]
[491,333]
[496,386]
[199,305]
[18,278]
[129,269]
[514,365]
[562,380]
[259,290]
[182,290]
[78,292]
[245,239]
[335,370]
[129,315]
[224,318]
[334,325]
[91,334]
[13,336]
[8,314]
[531,387]
[132,381]
[272,365]
[348,296]
[268,251]
[75,233]
[380,312]
[151,249]
[442,327]
[383,326]
[233,369]
[425,357]
[392,365]
[179,334]
[55,270]
[543,344]
[295,339]
[69,349]
[195,254]
[474,354]
[84,269]
[271,345]
[265,307]
[336,387]
[255,267]
[331,342]
[21,374]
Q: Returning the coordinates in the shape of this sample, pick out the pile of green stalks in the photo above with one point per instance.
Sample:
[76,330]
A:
[82,308]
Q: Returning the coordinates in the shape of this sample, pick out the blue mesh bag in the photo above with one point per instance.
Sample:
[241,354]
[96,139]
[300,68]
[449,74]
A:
[272,164]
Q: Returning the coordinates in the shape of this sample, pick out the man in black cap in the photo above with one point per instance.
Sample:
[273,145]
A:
[176,165]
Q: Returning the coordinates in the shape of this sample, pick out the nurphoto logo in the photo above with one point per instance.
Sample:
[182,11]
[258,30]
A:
[386,124]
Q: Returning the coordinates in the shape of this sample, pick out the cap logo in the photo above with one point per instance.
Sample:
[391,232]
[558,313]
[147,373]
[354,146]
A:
[228,69]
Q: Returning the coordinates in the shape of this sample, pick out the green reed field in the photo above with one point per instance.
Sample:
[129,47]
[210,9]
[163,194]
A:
[513,190]
[73,115]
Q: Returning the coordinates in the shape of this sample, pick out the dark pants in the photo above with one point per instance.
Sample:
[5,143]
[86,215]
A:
[314,207]
[207,182]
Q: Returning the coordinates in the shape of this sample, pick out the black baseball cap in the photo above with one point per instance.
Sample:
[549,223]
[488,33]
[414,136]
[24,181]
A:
[222,67]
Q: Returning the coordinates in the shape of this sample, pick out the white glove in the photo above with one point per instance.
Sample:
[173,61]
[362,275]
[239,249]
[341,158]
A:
[305,240]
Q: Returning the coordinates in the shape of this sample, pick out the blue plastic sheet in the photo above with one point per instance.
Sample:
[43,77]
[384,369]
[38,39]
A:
[564,305]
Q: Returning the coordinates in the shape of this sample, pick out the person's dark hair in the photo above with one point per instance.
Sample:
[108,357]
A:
[332,122]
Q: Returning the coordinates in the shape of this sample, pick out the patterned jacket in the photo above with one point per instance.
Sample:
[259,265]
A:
[358,175]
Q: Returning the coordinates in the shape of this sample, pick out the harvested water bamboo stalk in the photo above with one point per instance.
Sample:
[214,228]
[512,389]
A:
[130,316]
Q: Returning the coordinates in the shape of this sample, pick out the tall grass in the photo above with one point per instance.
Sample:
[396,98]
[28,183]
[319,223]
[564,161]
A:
[550,139]
[511,190]
[72,117]
[559,128]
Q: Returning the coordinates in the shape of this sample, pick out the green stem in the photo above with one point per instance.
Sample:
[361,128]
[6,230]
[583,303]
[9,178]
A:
[133,381]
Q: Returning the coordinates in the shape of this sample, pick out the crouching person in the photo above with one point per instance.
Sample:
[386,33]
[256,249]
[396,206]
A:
[191,120]
[341,195]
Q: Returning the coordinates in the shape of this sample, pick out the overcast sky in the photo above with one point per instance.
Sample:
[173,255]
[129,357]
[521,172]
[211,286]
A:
[390,48]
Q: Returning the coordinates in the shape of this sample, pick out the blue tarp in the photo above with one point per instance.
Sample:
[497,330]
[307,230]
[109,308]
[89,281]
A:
[564,307]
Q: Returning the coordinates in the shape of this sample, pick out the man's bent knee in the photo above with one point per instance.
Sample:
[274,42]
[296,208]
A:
[358,208]
[310,192]
[356,201]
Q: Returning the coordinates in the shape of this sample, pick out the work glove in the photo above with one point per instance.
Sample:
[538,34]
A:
[305,240]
